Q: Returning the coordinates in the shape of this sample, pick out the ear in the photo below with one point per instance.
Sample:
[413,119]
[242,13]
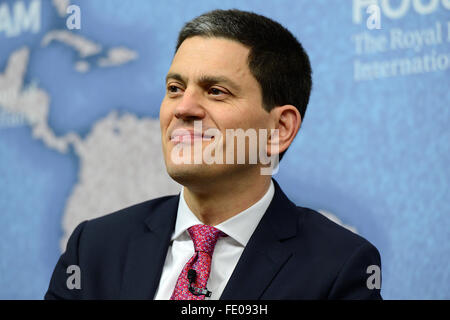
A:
[287,120]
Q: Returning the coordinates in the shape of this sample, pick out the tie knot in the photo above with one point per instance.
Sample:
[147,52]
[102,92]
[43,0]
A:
[205,237]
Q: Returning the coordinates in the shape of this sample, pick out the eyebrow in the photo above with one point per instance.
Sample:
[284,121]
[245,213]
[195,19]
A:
[206,80]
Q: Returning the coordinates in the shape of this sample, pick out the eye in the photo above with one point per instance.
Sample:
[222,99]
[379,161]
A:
[172,89]
[216,91]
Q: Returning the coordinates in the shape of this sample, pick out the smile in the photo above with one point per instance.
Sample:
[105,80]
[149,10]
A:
[183,136]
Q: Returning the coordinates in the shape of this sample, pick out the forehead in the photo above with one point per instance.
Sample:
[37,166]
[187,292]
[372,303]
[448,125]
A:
[199,56]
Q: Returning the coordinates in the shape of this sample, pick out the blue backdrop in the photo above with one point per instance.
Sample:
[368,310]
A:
[79,121]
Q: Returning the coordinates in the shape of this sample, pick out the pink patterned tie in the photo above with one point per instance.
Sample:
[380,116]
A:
[204,238]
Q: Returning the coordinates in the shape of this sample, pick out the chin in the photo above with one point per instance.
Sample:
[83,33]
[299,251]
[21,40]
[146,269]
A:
[197,174]
[188,173]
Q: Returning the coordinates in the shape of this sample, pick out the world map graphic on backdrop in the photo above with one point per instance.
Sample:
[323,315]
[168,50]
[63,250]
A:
[80,134]
[104,184]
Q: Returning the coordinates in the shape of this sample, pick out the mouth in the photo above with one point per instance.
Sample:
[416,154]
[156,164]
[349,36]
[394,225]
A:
[189,137]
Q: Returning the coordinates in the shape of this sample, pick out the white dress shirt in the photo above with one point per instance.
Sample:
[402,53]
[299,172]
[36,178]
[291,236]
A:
[227,252]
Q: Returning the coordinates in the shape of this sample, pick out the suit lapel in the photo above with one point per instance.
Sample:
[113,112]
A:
[263,257]
[265,253]
[147,252]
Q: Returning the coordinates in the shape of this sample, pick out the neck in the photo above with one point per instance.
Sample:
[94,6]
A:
[219,202]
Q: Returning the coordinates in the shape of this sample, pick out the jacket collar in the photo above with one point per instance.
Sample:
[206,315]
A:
[147,251]
[262,258]
[266,252]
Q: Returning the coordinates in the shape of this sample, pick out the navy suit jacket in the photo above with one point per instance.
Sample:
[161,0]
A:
[294,253]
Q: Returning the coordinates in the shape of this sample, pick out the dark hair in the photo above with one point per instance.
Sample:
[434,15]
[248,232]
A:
[277,60]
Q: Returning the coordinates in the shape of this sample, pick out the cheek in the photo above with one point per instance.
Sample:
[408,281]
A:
[165,114]
[240,120]
[253,120]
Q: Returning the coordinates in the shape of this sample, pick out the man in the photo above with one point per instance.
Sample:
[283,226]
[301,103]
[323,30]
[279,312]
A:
[231,233]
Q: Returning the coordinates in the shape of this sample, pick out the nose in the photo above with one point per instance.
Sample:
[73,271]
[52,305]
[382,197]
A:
[190,107]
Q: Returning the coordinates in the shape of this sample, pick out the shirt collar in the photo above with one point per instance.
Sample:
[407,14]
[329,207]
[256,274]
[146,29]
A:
[239,227]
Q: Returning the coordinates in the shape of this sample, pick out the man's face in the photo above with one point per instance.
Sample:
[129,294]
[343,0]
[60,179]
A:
[209,81]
